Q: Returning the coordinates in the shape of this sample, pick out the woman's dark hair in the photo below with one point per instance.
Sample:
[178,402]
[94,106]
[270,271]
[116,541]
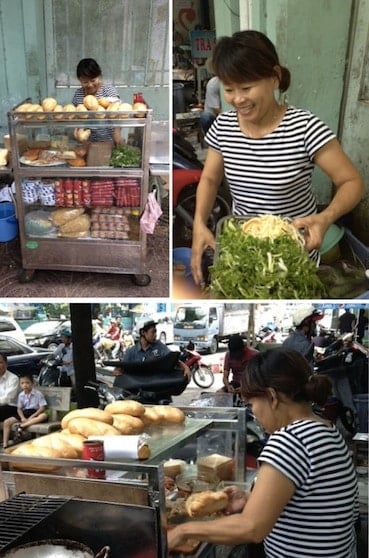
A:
[287,372]
[88,67]
[4,357]
[248,56]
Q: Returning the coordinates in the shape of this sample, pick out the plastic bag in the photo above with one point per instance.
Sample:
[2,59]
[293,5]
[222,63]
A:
[151,214]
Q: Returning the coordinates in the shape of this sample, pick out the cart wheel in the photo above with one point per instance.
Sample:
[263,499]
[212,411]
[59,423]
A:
[26,275]
[142,280]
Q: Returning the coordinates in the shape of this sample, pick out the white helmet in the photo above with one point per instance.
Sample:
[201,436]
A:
[305,312]
[143,324]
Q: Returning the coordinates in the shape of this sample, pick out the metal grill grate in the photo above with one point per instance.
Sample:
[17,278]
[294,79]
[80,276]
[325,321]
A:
[22,512]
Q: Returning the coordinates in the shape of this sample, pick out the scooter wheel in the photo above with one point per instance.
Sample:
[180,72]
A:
[203,376]
[142,280]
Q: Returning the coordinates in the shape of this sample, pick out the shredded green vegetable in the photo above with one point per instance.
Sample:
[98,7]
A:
[125,156]
[252,268]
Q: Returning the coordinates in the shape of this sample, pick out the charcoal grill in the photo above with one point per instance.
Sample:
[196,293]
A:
[129,530]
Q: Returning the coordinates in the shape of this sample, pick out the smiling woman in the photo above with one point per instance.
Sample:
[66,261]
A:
[268,150]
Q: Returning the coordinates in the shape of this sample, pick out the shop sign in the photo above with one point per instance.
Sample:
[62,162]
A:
[202,43]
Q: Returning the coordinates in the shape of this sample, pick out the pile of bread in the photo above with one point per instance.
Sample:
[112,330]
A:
[102,107]
[71,222]
[118,418]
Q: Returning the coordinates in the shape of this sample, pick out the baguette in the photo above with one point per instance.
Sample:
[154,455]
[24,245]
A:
[127,407]
[201,504]
[89,413]
[127,424]
[170,414]
[151,417]
[89,427]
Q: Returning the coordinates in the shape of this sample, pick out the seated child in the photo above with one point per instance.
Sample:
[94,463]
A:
[31,406]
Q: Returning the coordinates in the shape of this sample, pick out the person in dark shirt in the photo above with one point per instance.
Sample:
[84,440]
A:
[347,322]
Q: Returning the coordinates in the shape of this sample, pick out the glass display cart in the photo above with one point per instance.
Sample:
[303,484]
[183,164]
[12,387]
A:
[80,197]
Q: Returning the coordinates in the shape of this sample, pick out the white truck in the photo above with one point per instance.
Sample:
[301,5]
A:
[208,324]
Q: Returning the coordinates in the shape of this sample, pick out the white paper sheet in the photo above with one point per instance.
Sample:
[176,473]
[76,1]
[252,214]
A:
[119,446]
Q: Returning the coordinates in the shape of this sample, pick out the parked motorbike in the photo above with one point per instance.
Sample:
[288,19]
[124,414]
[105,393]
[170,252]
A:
[52,375]
[186,175]
[346,363]
[202,374]
[151,382]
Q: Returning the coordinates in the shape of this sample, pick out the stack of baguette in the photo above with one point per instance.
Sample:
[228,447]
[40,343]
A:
[118,418]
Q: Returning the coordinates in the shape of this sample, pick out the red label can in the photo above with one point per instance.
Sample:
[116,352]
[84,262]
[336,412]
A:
[138,98]
[93,450]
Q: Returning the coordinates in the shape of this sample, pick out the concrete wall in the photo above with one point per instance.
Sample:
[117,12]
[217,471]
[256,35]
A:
[27,60]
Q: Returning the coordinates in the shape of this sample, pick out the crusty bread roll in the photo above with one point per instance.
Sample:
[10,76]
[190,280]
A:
[170,414]
[141,109]
[127,407]
[151,417]
[87,412]
[143,451]
[82,111]
[128,424]
[29,450]
[201,504]
[31,154]
[56,443]
[48,104]
[89,427]
[58,109]
[90,102]
[104,102]
[77,162]
[75,440]
[70,109]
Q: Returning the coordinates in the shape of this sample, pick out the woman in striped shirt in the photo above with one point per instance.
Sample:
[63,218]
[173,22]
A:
[267,150]
[90,76]
[304,503]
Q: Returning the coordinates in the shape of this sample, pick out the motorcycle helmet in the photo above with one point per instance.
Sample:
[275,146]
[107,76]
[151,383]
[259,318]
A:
[306,313]
[235,346]
[66,332]
[144,325]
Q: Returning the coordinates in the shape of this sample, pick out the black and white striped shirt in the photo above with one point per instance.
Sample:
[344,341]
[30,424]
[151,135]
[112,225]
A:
[319,519]
[105,90]
[271,174]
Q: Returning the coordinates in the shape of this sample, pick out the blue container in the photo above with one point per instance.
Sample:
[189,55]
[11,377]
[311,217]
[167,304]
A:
[8,222]
[361,402]
[183,256]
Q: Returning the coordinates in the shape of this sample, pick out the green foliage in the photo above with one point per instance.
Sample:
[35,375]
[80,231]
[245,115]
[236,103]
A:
[251,268]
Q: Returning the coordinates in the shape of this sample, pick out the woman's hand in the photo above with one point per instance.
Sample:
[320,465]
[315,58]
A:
[175,537]
[315,227]
[202,238]
[237,499]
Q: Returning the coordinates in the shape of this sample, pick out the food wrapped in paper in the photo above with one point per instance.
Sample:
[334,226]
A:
[128,447]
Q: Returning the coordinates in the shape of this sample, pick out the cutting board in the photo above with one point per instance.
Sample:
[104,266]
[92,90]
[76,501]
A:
[99,154]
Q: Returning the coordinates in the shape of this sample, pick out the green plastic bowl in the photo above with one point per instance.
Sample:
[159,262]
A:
[329,249]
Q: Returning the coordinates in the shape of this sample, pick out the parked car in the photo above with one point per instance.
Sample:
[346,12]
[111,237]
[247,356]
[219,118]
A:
[46,334]
[10,328]
[21,357]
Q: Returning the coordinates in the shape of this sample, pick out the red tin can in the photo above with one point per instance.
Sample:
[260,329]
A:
[138,98]
[93,450]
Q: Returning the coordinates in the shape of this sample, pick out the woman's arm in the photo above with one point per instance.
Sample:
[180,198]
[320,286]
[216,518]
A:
[349,190]
[202,237]
[271,493]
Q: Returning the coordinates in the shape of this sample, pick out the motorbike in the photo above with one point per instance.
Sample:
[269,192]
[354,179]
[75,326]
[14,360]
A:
[52,375]
[151,382]
[346,363]
[104,348]
[186,175]
[202,374]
